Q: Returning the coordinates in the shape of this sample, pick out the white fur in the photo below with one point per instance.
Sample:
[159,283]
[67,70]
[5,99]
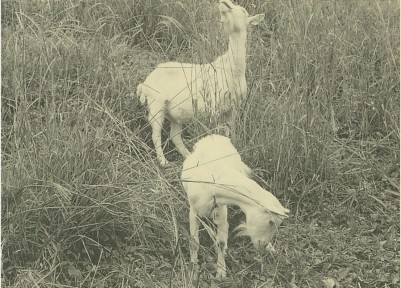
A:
[213,177]
[181,91]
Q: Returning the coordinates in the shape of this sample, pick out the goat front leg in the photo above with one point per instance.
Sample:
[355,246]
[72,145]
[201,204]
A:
[220,218]
[175,135]
[194,241]
[228,123]
[156,119]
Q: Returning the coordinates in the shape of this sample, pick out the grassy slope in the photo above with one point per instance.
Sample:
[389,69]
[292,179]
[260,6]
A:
[84,202]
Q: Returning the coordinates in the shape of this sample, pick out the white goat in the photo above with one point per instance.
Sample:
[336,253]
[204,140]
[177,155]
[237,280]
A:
[214,176]
[181,91]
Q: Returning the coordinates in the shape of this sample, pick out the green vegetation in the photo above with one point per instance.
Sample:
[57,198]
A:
[84,202]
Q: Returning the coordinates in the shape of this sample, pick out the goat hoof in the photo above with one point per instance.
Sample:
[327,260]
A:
[221,274]
[194,272]
[169,164]
[270,248]
[164,163]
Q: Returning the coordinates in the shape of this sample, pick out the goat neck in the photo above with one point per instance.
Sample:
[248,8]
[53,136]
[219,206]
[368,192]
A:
[236,53]
[245,193]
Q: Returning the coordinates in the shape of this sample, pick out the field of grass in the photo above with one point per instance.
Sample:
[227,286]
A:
[84,202]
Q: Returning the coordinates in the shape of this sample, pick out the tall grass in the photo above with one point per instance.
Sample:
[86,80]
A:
[84,202]
[325,78]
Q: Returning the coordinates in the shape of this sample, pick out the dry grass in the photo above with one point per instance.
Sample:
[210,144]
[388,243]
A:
[84,203]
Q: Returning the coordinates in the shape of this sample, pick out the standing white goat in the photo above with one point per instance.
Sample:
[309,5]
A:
[181,91]
[214,176]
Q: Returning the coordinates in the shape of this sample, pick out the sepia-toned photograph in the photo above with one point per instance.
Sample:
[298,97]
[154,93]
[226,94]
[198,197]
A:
[200,143]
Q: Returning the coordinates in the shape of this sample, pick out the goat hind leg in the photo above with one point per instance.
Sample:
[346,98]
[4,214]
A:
[175,135]
[156,119]
[194,242]
[220,218]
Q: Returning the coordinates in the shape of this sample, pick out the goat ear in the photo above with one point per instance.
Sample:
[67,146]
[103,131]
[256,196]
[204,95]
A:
[241,230]
[255,20]
[223,17]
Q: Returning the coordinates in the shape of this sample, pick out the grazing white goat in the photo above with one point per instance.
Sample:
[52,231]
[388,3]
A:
[181,91]
[213,177]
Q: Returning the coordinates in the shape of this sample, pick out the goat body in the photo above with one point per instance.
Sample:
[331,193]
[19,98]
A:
[181,92]
[213,177]
[185,90]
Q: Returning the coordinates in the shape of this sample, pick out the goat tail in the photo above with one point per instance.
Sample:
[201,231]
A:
[140,94]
